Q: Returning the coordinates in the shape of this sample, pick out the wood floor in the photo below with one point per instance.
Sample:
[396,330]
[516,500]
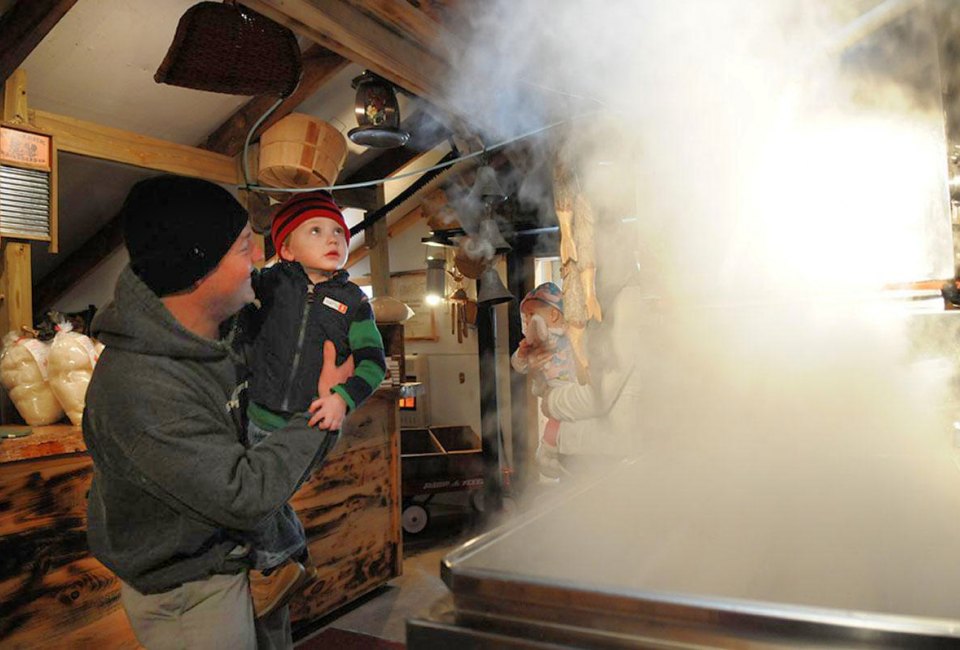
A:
[383,612]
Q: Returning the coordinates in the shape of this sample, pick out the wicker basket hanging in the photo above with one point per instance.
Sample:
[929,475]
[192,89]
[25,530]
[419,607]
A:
[301,151]
[229,48]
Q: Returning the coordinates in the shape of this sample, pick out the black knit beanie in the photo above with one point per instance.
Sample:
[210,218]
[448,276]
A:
[178,229]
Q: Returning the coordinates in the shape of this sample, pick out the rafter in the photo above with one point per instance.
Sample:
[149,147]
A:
[23,26]
[411,22]
[108,143]
[346,30]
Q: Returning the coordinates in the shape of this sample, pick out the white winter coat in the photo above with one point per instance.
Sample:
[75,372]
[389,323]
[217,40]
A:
[607,415]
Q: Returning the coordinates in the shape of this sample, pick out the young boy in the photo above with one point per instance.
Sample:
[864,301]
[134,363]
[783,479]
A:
[305,300]
[546,354]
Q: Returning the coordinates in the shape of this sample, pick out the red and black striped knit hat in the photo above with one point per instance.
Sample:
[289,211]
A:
[302,207]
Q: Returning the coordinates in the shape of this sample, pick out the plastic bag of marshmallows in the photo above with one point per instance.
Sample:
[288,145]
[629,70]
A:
[24,364]
[72,358]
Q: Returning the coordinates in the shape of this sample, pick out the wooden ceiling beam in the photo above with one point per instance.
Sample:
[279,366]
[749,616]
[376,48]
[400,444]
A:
[348,31]
[413,23]
[108,143]
[23,26]
[361,198]
[319,66]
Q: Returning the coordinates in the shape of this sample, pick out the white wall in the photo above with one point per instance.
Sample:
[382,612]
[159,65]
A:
[454,367]
[97,287]
[452,401]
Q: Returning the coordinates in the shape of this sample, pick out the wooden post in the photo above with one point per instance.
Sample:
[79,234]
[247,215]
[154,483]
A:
[16,311]
[378,241]
[15,98]
[489,407]
[16,280]
[16,305]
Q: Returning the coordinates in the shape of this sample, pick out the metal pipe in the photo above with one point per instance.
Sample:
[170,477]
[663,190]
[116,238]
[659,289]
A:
[489,406]
[519,436]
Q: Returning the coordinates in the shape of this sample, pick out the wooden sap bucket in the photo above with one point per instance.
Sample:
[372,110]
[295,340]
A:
[301,151]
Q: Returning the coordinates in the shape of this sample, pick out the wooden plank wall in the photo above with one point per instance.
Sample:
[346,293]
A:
[53,594]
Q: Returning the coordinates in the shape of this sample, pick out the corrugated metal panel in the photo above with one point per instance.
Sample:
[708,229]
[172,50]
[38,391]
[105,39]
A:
[24,202]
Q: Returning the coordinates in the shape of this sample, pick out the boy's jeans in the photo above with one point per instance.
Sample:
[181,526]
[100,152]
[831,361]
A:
[280,537]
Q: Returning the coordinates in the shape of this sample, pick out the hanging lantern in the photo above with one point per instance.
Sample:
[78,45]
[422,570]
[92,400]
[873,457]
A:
[378,114]
[436,281]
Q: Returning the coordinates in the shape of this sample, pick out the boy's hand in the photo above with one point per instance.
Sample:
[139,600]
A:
[328,412]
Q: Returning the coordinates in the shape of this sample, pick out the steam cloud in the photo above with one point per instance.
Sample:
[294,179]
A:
[778,164]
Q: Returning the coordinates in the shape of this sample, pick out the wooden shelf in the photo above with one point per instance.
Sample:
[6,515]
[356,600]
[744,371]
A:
[51,440]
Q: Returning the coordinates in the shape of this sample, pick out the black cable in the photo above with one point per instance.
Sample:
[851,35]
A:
[414,187]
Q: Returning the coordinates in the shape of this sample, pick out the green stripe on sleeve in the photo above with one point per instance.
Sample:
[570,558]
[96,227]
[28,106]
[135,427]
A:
[371,373]
[364,334]
[342,392]
[265,418]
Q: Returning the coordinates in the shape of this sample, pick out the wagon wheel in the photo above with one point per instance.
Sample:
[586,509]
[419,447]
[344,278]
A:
[476,501]
[414,518]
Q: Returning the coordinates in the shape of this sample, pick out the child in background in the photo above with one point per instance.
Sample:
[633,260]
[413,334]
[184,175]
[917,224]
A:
[306,299]
[546,355]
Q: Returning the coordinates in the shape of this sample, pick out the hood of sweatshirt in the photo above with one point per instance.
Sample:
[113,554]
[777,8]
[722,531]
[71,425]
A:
[139,322]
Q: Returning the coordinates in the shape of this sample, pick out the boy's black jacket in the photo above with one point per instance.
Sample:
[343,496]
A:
[293,317]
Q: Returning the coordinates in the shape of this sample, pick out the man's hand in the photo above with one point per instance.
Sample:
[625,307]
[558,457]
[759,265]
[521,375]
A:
[330,375]
[329,412]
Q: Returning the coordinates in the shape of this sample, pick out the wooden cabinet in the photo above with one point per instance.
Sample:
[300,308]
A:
[53,593]
[350,509]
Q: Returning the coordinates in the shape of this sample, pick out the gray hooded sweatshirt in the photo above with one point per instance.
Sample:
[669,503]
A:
[174,487]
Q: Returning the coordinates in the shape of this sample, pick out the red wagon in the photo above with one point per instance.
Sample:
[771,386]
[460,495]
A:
[435,460]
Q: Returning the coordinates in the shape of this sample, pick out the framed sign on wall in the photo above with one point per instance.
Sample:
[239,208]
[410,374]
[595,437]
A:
[410,287]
